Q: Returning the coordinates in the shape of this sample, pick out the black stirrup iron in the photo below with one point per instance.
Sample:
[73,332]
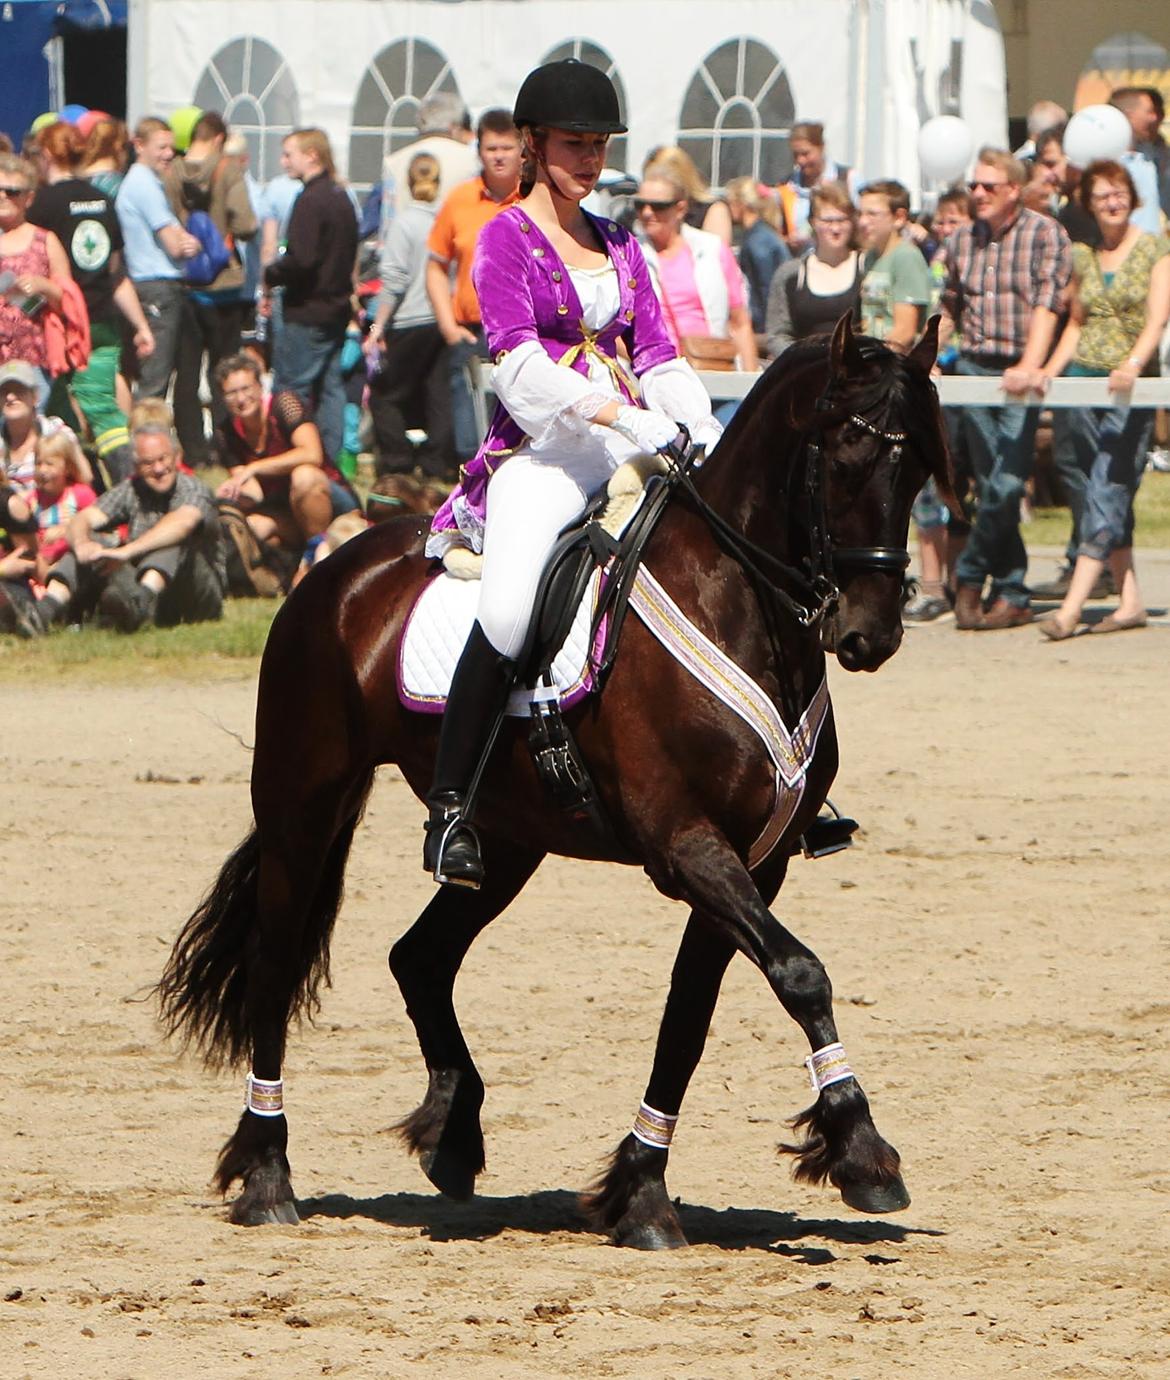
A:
[828,834]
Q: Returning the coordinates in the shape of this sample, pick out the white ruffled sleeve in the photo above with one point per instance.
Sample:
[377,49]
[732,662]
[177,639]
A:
[673,388]
[548,403]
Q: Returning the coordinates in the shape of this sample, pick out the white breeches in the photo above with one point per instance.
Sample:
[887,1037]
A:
[529,501]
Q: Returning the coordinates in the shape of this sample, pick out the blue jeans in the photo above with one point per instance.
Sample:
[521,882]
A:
[1072,464]
[467,437]
[1111,443]
[307,360]
[1001,447]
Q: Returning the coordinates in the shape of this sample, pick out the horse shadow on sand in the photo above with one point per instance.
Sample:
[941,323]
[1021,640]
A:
[558,1210]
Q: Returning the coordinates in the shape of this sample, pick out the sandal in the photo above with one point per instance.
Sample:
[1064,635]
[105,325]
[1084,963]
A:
[1053,631]
[1111,623]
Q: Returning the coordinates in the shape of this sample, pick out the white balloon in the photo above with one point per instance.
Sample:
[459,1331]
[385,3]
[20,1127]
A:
[1098,131]
[945,147]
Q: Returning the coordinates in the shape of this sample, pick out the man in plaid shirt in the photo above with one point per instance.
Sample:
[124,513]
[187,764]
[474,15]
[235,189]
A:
[1006,275]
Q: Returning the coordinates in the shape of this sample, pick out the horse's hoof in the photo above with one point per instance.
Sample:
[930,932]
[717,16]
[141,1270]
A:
[266,1201]
[253,1214]
[650,1236]
[877,1198]
[450,1175]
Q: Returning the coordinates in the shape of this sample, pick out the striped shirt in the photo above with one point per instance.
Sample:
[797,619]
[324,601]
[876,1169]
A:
[995,279]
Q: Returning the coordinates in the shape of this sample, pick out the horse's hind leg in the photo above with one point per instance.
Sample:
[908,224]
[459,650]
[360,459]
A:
[298,893]
[444,1131]
[630,1200]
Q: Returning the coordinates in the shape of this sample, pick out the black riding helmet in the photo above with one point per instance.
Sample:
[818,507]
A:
[569,95]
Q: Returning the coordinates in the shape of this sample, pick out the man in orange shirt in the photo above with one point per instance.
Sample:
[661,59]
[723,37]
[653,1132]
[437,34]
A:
[464,213]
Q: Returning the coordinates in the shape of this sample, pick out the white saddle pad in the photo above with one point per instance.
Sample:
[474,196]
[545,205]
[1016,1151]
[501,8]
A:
[438,627]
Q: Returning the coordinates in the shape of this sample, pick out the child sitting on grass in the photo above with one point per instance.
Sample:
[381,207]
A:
[59,494]
[31,600]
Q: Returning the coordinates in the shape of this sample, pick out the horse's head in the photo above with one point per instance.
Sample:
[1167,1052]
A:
[812,484]
[880,434]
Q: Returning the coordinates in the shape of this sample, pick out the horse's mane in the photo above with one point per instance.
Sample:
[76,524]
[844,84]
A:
[899,389]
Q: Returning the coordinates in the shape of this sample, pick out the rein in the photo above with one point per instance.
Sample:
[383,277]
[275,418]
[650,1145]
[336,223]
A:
[814,589]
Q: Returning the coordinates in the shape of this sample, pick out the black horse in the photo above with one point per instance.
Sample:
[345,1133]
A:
[787,543]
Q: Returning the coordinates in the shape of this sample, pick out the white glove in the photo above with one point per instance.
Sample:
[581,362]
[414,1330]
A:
[649,431]
[707,433]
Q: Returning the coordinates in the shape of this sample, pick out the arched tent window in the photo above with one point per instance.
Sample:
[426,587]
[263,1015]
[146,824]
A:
[595,56]
[249,82]
[737,114]
[386,107]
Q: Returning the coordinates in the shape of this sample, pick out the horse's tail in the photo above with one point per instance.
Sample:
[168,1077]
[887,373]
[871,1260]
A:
[202,989]
[202,994]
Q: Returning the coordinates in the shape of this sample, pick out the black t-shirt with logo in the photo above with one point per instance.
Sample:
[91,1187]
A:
[84,220]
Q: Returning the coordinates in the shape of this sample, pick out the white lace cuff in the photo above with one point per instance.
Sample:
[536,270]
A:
[546,401]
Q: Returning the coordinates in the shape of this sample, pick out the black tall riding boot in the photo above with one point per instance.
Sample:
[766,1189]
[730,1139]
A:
[479,691]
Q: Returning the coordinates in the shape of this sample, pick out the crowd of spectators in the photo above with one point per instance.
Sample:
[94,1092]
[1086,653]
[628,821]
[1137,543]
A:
[190,363]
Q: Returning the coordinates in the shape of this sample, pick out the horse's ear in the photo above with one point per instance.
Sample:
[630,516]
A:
[926,351]
[844,356]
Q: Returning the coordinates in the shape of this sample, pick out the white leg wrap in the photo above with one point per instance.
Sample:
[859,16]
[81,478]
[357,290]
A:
[654,1128]
[827,1066]
[263,1096]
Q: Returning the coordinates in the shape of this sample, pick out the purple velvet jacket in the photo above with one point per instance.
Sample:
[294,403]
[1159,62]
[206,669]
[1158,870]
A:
[526,293]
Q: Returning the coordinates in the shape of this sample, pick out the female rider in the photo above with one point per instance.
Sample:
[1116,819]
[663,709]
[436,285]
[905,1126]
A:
[558,288]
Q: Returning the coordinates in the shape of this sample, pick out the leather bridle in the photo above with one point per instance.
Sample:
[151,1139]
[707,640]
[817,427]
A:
[809,593]
[892,560]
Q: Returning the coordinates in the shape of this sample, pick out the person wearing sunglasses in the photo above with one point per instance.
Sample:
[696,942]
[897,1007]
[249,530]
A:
[558,290]
[30,259]
[1006,276]
[706,210]
[698,282]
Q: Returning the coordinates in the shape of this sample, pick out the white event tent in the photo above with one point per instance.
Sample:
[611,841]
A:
[725,80]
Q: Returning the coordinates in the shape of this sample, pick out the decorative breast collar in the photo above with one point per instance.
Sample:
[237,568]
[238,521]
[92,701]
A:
[790,751]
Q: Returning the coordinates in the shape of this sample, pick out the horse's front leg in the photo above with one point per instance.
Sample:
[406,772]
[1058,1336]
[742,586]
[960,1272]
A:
[444,1131]
[630,1200]
[841,1143]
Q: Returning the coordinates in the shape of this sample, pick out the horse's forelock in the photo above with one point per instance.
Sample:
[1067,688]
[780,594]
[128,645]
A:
[901,397]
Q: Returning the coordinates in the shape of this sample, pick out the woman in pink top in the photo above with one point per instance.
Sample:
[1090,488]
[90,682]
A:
[695,275]
[30,260]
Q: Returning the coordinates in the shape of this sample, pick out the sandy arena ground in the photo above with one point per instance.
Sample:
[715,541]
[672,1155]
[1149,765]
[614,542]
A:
[997,943]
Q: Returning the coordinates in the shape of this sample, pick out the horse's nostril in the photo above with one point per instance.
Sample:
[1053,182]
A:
[854,645]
